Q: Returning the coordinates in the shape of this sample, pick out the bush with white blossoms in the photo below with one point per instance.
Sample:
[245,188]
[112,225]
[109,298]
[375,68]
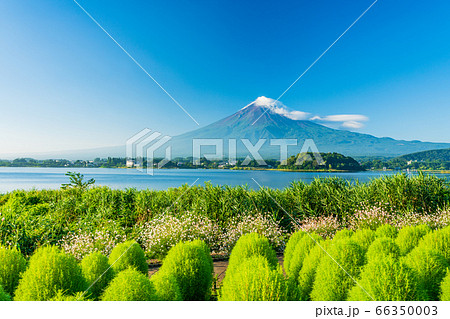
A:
[263,224]
[83,242]
[370,218]
[325,226]
[165,231]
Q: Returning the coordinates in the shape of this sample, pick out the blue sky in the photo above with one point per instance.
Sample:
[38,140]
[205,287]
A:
[66,85]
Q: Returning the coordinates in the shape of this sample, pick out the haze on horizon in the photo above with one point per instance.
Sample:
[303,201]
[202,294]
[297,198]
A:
[67,86]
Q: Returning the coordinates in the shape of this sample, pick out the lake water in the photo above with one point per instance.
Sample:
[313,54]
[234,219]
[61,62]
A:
[12,178]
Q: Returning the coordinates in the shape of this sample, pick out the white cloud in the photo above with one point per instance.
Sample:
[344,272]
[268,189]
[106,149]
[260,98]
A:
[349,121]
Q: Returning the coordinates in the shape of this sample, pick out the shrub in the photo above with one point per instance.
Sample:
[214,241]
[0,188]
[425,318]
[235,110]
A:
[4,296]
[383,247]
[364,238]
[97,272]
[250,245]
[386,230]
[370,218]
[335,276]
[290,246]
[165,231]
[130,285]
[166,287]
[438,240]
[50,270]
[256,280]
[343,233]
[301,251]
[12,264]
[430,267]
[410,236]
[128,254]
[60,296]
[306,277]
[445,287]
[190,263]
[85,241]
[263,224]
[385,279]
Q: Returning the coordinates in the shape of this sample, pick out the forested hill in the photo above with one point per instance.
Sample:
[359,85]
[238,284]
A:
[428,156]
[331,161]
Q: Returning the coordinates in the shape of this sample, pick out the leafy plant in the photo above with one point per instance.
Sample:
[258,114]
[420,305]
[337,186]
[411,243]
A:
[76,180]
[191,265]
[301,250]
[12,265]
[129,285]
[364,238]
[332,282]
[387,230]
[4,296]
[409,237]
[385,279]
[50,270]
[256,280]
[383,247]
[97,272]
[128,254]
[166,287]
[445,288]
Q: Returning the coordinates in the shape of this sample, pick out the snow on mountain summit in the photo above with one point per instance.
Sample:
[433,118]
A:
[278,107]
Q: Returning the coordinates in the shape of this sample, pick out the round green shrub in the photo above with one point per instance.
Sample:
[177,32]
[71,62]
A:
[166,287]
[256,280]
[307,274]
[409,237]
[300,252]
[60,296]
[430,267]
[445,288]
[4,296]
[250,245]
[364,238]
[129,285]
[12,265]
[336,270]
[290,247]
[128,254]
[190,263]
[438,240]
[383,247]
[343,234]
[97,272]
[385,279]
[387,230]
[50,270]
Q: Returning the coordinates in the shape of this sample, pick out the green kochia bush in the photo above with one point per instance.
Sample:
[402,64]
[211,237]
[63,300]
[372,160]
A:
[438,240]
[385,279]
[4,296]
[409,237]
[12,264]
[60,296]
[166,287]
[97,272]
[386,230]
[430,267]
[128,254]
[332,282]
[290,247]
[190,263]
[250,245]
[50,270]
[130,285]
[343,233]
[256,280]
[445,288]
[300,252]
[307,274]
[383,247]
[364,238]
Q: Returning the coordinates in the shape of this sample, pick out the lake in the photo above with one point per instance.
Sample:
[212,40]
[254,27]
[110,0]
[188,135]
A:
[12,178]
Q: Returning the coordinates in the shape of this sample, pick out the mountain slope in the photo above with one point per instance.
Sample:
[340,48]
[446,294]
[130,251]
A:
[273,121]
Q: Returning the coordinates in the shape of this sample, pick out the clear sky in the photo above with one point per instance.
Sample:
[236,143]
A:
[65,85]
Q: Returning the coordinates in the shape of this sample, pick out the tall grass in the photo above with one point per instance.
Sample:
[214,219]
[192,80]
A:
[29,219]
